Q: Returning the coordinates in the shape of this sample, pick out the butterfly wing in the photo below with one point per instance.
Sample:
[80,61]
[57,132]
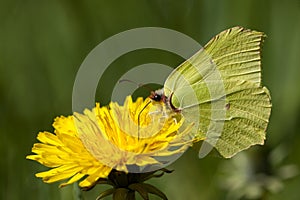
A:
[219,89]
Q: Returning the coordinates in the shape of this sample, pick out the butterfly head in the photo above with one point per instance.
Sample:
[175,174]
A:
[158,95]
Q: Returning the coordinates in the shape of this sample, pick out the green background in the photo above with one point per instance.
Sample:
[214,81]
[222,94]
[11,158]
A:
[43,43]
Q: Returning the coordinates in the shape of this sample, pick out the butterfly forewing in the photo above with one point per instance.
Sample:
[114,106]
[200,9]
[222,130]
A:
[236,53]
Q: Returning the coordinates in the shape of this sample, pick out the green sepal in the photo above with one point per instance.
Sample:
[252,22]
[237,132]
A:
[121,194]
[140,189]
[153,190]
[106,193]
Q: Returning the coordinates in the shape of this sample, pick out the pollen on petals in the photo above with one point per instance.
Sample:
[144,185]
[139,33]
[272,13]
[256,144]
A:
[137,133]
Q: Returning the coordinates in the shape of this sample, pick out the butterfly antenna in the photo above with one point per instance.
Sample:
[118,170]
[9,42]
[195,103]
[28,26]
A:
[139,115]
[138,85]
[131,81]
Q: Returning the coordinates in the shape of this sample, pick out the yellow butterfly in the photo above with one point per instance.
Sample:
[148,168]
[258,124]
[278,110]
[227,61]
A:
[219,89]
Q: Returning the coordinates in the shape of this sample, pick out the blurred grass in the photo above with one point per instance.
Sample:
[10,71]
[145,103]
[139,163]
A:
[42,44]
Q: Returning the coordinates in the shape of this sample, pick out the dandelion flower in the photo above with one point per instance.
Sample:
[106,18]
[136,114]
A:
[137,137]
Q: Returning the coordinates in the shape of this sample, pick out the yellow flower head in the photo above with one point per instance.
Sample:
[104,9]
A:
[137,137]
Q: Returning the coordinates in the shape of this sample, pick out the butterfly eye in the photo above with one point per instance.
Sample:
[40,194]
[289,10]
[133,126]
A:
[157,97]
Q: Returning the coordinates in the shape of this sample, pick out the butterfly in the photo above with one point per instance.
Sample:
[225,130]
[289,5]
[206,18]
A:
[219,90]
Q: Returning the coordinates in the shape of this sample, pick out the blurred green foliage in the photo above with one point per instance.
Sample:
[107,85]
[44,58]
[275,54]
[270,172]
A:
[42,44]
